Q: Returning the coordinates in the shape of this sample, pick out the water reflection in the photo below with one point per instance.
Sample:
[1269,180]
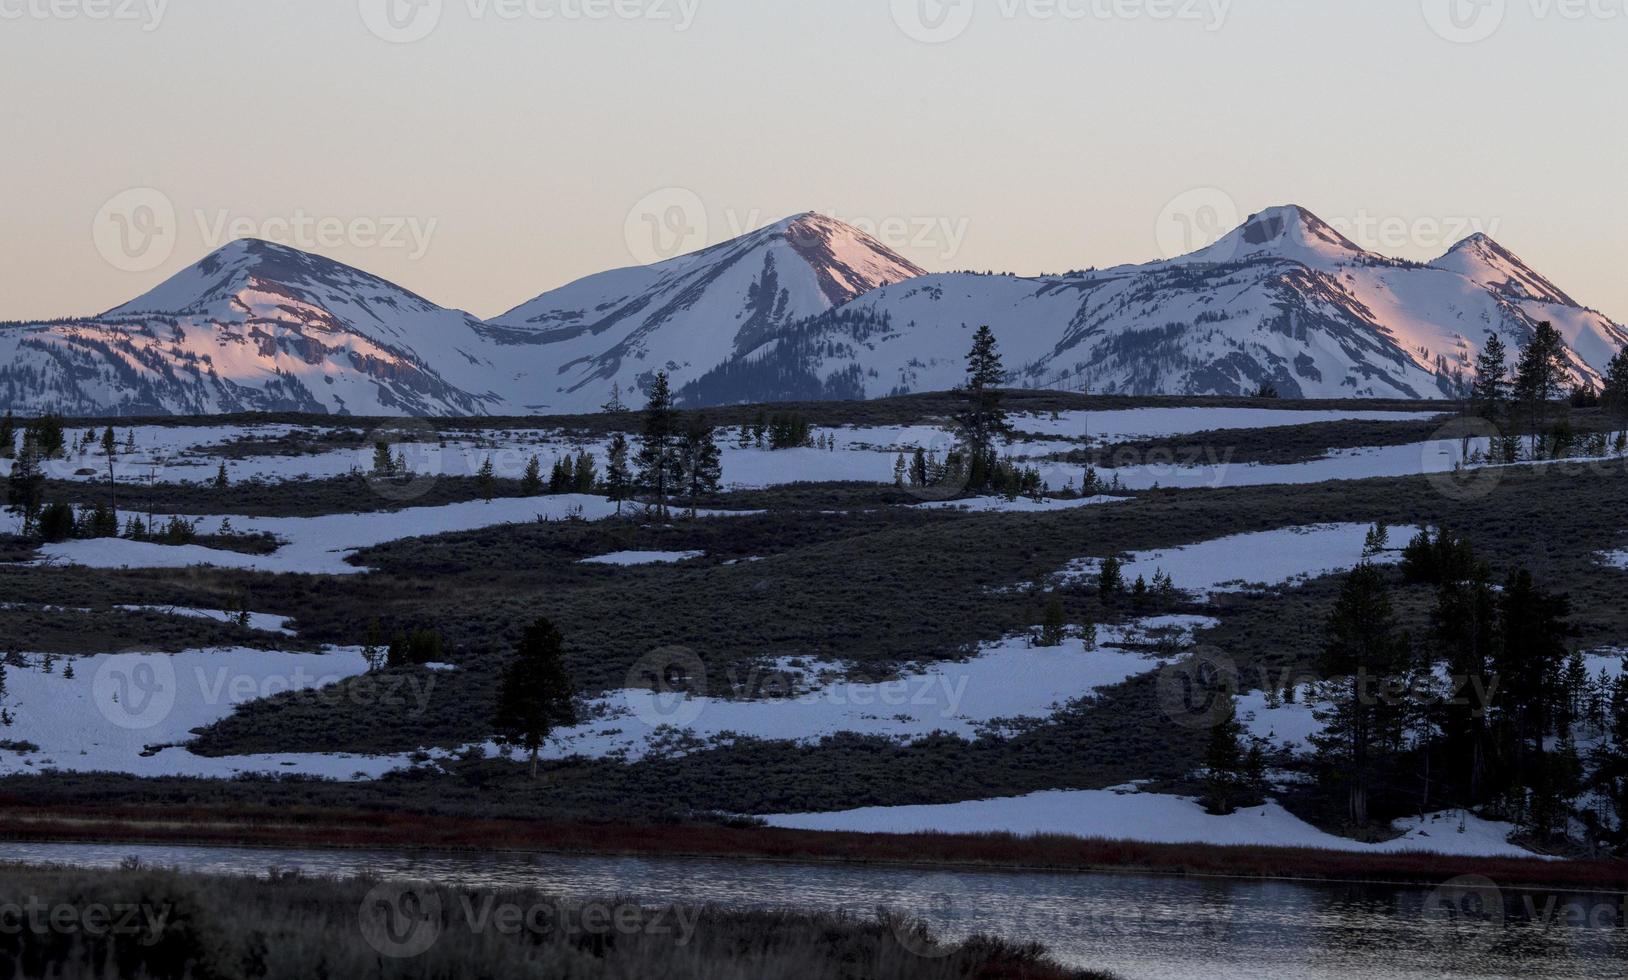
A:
[1141,928]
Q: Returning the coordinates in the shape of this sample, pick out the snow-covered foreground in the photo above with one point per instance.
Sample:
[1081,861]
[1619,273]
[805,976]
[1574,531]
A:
[1156,819]
[321,545]
[1005,681]
[1266,558]
[129,713]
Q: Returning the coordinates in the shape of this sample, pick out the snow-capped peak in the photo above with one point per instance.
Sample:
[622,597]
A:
[1289,232]
[251,263]
[1485,262]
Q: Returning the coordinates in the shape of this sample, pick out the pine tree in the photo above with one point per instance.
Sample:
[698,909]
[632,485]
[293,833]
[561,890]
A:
[531,484]
[899,469]
[383,464]
[8,436]
[657,458]
[615,404]
[25,488]
[534,696]
[221,479]
[618,477]
[981,420]
[920,475]
[1615,396]
[1364,648]
[1540,375]
[1533,626]
[1464,627]
[699,462]
[1224,759]
[1491,388]
[48,437]
[1111,577]
[1055,629]
[584,476]
[486,479]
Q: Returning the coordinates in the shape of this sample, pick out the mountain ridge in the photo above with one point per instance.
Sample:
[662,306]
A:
[807,307]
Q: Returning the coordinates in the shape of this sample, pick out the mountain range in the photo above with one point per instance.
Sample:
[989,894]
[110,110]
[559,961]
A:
[809,308]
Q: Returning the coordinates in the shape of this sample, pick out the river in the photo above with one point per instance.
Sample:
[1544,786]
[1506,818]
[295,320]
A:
[1137,927]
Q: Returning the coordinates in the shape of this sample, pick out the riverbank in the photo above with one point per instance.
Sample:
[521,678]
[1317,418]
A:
[312,829]
[138,921]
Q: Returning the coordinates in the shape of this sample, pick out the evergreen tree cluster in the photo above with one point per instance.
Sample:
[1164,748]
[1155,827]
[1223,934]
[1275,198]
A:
[1485,711]
[46,433]
[677,456]
[781,430]
[1532,397]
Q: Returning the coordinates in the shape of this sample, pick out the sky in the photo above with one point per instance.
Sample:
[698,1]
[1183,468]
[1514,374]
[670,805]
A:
[480,152]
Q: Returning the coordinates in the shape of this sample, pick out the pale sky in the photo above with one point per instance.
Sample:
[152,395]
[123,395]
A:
[500,156]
